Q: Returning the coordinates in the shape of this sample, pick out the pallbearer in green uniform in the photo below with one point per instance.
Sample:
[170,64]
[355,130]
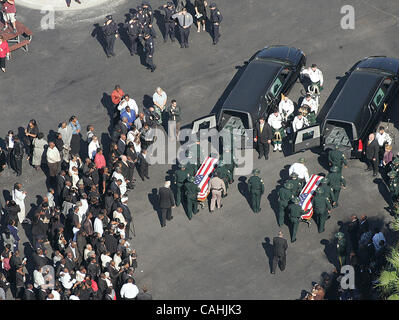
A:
[336,182]
[321,208]
[294,215]
[285,195]
[181,176]
[191,167]
[191,191]
[198,152]
[328,191]
[337,158]
[224,174]
[230,163]
[256,188]
[341,248]
[394,191]
[296,184]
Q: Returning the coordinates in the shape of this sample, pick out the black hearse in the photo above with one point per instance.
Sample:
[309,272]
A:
[272,71]
[357,110]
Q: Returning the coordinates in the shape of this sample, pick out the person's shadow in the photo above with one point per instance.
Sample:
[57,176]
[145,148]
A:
[160,21]
[154,200]
[123,34]
[243,189]
[98,34]
[147,101]
[273,201]
[330,252]
[268,247]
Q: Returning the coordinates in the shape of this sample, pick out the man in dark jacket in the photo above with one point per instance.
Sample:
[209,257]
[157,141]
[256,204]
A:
[29,294]
[263,138]
[166,202]
[279,253]
[144,295]
[371,153]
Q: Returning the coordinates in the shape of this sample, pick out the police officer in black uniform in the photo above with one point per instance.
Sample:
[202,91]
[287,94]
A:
[149,51]
[133,31]
[110,30]
[149,18]
[170,23]
[142,21]
[215,19]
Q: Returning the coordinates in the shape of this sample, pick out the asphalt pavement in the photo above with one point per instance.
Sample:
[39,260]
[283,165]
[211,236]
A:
[224,255]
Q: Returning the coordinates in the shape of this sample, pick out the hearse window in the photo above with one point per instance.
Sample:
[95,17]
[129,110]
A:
[379,97]
[307,135]
[204,125]
[276,87]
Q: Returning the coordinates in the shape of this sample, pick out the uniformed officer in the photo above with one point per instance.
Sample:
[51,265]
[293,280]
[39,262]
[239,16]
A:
[256,188]
[296,184]
[217,187]
[133,31]
[321,208]
[110,30]
[300,169]
[149,51]
[181,177]
[341,248]
[191,192]
[149,19]
[337,158]
[215,19]
[224,174]
[394,191]
[196,150]
[191,166]
[285,195]
[328,191]
[294,215]
[230,163]
[337,181]
[170,23]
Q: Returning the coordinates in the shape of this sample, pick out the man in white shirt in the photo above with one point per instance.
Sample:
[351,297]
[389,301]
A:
[286,107]
[275,121]
[127,101]
[118,176]
[93,146]
[53,159]
[299,122]
[377,238]
[312,103]
[129,291]
[300,169]
[105,259]
[315,75]
[98,224]
[159,98]
[383,137]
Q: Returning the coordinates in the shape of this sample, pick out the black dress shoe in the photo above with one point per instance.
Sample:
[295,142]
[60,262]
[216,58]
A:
[147,177]
[170,218]
[292,241]
[113,54]
[181,46]
[266,157]
[259,157]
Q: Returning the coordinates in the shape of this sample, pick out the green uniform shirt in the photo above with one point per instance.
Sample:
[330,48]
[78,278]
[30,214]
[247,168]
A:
[336,180]
[297,186]
[255,184]
[181,176]
[191,190]
[337,158]
[321,203]
[285,195]
[295,212]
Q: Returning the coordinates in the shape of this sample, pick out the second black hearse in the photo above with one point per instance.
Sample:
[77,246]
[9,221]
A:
[273,71]
[357,110]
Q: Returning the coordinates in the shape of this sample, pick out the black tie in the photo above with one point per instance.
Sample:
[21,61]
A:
[184,20]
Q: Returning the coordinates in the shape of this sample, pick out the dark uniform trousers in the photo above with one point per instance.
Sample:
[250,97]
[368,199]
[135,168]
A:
[184,33]
[216,34]
[110,41]
[133,38]
[170,30]
[263,149]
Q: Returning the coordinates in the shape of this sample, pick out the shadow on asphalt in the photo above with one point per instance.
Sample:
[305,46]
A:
[268,247]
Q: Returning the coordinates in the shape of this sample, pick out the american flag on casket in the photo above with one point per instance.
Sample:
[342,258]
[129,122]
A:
[202,177]
[307,194]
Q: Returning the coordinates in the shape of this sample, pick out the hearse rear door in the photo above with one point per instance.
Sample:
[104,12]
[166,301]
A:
[306,138]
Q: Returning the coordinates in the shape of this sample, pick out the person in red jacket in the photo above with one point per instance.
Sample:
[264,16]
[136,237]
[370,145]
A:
[4,52]
[116,97]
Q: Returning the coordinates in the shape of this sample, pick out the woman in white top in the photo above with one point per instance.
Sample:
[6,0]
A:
[18,195]
[137,145]
[74,162]
[93,146]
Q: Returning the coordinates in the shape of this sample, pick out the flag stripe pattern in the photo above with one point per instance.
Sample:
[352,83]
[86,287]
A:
[202,177]
[307,195]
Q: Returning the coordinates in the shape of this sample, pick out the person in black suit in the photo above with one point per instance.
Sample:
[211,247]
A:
[279,253]
[166,202]
[143,165]
[111,243]
[354,230]
[121,144]
[59,186]
[371,153]
[29,294]
[263,138]
[127,215]
[114,187]
[144,295]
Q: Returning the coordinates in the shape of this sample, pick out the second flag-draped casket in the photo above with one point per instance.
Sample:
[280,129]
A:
[307,195]
[202,177]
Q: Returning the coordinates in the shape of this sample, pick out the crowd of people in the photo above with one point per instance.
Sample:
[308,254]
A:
[84,217]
